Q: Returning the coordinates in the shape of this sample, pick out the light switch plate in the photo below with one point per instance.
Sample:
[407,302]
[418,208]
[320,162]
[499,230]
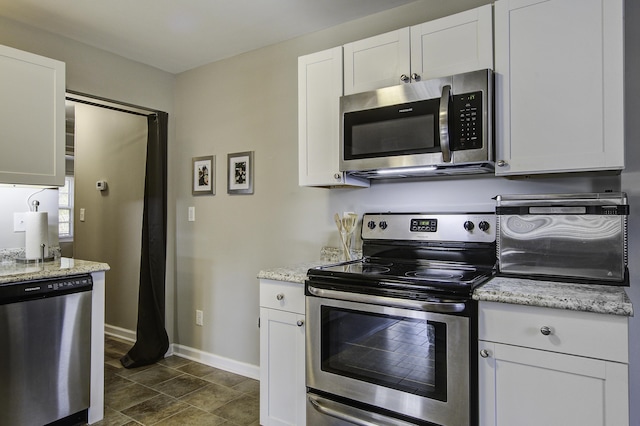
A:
[82,215]
[192,214]
[19,224]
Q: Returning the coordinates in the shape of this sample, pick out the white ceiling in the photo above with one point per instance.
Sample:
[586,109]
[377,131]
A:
[177,35]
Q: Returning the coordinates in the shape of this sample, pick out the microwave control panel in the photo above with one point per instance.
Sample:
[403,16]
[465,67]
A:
[467,116]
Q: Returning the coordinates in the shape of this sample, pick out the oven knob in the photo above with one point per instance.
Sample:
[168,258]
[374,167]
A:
[468,225]
[371,224]
[383,225]
[484,225]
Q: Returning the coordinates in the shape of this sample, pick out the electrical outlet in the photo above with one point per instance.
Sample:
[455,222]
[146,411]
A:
[199,316]
[19,224]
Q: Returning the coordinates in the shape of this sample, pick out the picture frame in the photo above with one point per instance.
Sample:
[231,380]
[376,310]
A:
[203,175]
[240,173]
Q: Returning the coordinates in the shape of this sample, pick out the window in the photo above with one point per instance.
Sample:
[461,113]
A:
[65,209]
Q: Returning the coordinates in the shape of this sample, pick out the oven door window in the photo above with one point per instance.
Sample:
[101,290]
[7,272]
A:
[410,128]
[405,354]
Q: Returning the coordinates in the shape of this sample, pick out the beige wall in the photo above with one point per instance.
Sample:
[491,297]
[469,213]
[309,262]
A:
[111,145]
[249,103]
[100,73]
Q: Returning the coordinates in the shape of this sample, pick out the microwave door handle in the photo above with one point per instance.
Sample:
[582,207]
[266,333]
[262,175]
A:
[444,123]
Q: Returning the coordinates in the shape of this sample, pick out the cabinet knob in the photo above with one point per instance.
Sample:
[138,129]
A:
[280,296]
[405,78]
[545,330]
[337,176]
[415,77]
[300,323]
[484,353]
[501,163]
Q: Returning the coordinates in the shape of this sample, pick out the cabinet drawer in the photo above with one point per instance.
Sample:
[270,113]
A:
[282,295]
[571,332]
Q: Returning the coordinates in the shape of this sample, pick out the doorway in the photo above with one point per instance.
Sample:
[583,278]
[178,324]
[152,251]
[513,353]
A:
[107,156]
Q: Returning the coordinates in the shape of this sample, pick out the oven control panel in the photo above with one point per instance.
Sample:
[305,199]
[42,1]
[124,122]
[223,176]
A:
[461,227]
[424,225]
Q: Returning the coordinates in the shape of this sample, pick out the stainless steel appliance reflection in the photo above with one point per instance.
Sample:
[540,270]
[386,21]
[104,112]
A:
[564,236]
[45,336]
[391,338]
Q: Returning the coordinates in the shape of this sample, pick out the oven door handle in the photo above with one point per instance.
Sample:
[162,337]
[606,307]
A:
[429,306]
[351,414]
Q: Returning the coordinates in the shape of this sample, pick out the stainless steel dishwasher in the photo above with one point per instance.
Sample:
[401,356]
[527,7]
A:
[45,351]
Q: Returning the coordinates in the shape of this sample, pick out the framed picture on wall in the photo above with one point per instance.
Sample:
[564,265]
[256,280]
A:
[240,173]
[204,176]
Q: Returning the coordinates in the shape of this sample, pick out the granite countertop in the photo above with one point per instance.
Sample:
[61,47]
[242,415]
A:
[601,299]
[11,271]
[298,273]
[292,274]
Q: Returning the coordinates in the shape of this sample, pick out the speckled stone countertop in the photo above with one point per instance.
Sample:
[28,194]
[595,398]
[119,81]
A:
[11,271]
[577,297]
[298,273]
[601,299]
[292,274]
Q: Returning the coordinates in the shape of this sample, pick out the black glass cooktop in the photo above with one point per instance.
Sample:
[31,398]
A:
[409,275]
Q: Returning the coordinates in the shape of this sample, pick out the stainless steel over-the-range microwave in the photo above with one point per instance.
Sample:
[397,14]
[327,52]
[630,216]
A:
[432,127]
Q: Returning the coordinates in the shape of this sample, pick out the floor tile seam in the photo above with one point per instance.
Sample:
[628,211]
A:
[128,419]
[159,383]
[187,405]
[185,409]
[158,393]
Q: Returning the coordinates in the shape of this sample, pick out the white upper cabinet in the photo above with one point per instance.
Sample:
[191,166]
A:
[375,62]
[319,91]
[32,118]
[451,45]
[559,86]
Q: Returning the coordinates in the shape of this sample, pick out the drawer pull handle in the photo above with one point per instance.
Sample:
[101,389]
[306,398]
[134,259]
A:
[545,330]
[484,353]
[300,323]
[280,296]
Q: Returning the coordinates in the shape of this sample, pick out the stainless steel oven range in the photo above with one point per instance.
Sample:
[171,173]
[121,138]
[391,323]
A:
[391,337]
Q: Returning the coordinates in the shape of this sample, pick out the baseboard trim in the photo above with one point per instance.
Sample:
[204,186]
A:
[227,364]
[119,332]
[217,361]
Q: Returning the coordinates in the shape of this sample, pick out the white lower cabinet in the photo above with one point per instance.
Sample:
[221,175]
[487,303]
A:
[542,366]
[282,354]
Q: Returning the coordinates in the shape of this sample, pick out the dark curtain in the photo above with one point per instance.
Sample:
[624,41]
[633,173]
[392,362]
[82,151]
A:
[152,340]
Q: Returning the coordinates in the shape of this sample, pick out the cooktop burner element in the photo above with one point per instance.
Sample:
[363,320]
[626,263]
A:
[436,275]
[410,254]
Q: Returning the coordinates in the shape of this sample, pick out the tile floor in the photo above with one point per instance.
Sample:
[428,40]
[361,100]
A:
[175,391]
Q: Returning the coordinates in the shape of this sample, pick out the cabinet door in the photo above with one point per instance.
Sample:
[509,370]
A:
[282,368]
[377,62]
[32,118]
[522,386]
[319,91]
[454,44]
[559,86]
